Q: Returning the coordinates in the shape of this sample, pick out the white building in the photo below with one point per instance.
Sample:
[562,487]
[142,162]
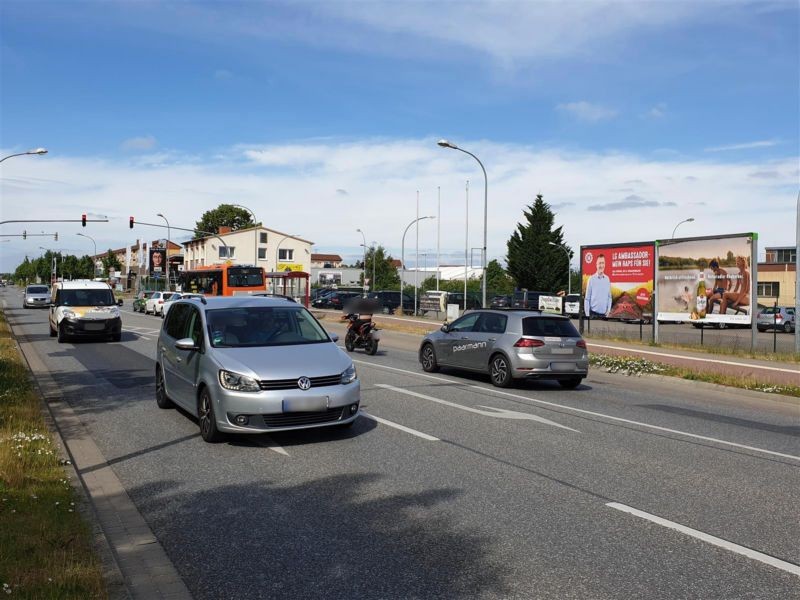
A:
[267,248]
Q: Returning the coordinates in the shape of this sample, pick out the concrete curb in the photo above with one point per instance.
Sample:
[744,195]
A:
[134,562]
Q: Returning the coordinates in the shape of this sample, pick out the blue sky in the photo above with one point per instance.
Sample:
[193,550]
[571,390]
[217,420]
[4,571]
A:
[670,108]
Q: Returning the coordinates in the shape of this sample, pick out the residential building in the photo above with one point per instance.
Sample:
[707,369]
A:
[326,261]
[777,277]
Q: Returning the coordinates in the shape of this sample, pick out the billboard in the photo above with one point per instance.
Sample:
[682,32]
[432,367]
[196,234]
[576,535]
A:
[158,262]
[617,280]
[706,280]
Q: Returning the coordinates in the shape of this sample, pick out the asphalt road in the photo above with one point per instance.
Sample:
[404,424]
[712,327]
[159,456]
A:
[609,491]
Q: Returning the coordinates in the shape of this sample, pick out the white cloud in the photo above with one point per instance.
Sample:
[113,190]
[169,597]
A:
[659,111]
[145,142]
[294,187]
[744,146]
[586,111]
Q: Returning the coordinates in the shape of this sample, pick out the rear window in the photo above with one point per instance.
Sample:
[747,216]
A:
[573,298]
[548,326]
[37,289]
[771,311]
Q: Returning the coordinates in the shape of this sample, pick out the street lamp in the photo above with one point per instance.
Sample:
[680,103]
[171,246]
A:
[94,258]
[364,263]
[34,151]
[447,144]
[403,258]
[169,283]
[255,229]
[689,220]
[569,274]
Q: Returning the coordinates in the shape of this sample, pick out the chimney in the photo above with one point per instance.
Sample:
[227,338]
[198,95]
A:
[223,229]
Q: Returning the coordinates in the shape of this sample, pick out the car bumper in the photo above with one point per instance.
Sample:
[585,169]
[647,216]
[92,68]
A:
[265,410]
[33,303]
[92,327]
[568,367]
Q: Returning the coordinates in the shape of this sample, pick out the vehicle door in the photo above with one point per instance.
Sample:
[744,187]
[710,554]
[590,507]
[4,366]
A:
[174,329]
[188,361]
[451,345]
[483,340]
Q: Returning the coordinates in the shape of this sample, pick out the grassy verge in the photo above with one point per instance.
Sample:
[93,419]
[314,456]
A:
[632,366]
[45,546]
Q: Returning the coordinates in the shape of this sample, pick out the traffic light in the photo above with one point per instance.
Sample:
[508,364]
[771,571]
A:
[55,236]
[83,220]
[24,235]
[130,223]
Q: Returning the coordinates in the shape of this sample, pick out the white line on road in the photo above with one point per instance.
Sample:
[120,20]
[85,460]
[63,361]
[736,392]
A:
[271,445]
[424,436]
[498,413]
[698,359]
[582,411]
[755,555]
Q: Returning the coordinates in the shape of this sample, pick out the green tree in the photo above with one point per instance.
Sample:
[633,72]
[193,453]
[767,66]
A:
[386,276]
[110,263]
[225,215]
[532,261]
[498,280]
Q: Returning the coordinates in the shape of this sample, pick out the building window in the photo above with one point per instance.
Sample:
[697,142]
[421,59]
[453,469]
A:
[285,254]
[262,238]
[227,252]
[262,253]
[786,255]
[768,289]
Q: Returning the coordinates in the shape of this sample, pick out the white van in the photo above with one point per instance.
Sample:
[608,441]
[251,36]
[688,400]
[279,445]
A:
[84,308]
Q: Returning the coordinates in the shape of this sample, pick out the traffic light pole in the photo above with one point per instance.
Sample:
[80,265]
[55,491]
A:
[56,221]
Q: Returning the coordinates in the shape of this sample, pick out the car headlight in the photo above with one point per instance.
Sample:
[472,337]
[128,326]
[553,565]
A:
[237,382]
[114,311]
[349,375]
[68,314]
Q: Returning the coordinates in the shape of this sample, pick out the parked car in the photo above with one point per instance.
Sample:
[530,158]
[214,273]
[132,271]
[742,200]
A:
[140,300]
[509,345]
[528,299]
[174,298]
[572,305]
[336,300]
[473,300]
[390,300]
[36,296]
[155,303]
[501,302]
[780,318]
[253,365]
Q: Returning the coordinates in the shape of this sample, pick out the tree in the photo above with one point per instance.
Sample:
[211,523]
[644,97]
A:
[110,262]
[386,276]
[497,280]
[532,261]
[225,215]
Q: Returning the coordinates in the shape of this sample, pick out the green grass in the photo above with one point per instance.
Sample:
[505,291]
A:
[45,546]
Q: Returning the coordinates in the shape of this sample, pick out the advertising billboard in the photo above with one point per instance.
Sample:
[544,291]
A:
[706,280]
[158,262]
[617,281]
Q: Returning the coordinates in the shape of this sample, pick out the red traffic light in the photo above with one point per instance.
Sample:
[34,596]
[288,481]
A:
[83,220]
[130,223]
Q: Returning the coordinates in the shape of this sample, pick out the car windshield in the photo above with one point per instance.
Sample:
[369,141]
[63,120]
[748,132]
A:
[263,326]
[38,289]
[85,298]
[547,326]
[771,311]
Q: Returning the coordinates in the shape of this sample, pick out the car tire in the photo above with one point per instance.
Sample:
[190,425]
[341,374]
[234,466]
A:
[371,346]
[500,371]
[62,334]
[762,329]
[207,419]
[428,359]
[788,327]
[387,310]
[350,341]
[162,400]
[571,383]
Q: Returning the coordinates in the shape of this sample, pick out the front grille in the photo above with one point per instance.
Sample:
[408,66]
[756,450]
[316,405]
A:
[291,384]
[295,419]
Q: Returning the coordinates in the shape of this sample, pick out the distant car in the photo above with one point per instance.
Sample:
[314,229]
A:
[336,300]
[501,302]
[390,300]
[528,299]
[174,298]
[473,300]
[572,305]
[140,300]
[36,296]
[779,318]
[509,345]
[252,365]
[155,303]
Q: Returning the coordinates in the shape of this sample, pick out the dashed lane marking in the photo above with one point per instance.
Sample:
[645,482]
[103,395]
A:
[424,436]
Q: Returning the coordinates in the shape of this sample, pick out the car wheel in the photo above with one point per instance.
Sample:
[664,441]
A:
[371,346]
[162,400]
[207,419]
[350,341]
[788,327]
[500,371]
[570,384]
[62,334]
[387,310]
[762,329]
[429,364]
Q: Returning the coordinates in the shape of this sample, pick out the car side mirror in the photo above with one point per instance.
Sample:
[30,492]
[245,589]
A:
[187,344]
[119,302]
[446,328]
[334,337]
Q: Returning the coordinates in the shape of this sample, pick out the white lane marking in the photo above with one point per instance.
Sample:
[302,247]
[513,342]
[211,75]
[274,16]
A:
[755,555]
[698,359]
[585,412]
[498,413]
[424,436]
[271,445]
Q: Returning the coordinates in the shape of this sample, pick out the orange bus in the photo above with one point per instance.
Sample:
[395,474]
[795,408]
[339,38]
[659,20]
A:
[223,280]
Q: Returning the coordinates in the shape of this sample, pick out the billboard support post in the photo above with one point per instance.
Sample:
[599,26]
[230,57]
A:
[655,291]
[753,294]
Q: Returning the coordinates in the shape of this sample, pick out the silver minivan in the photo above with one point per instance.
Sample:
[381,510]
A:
[246,364]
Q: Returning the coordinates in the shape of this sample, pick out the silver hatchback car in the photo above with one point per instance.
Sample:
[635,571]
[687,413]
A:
[508,345]
[253,365]
[36,296]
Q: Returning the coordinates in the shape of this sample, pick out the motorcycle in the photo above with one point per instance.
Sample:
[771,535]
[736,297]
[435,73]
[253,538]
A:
[361,333]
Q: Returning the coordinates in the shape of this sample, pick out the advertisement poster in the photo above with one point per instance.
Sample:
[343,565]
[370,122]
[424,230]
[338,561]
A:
[617,281]
[550,304]
[158,262]
[706,280]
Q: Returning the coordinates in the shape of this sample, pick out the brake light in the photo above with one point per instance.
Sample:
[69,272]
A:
[528,343]
[161,302]
[581,344]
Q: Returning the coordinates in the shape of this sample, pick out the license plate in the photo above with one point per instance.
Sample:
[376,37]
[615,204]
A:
[305,404]
[562,366]
[94,326]
[562,350]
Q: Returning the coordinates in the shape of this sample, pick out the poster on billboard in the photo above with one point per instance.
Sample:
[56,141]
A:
[617,281]
[158,262]
[706,280]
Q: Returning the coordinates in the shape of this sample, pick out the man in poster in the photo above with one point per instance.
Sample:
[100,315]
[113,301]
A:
[597,302]
[158,260]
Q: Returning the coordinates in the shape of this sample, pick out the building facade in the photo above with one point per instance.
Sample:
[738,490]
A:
[777,277]
[326,261]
